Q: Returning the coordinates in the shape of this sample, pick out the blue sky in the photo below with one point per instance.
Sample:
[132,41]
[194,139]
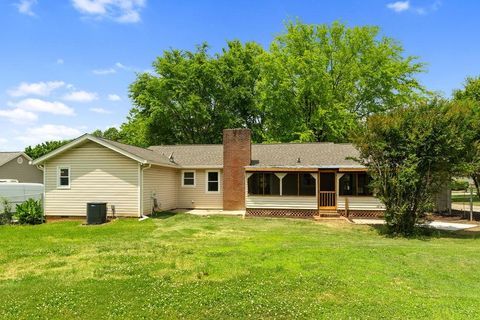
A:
[66,64]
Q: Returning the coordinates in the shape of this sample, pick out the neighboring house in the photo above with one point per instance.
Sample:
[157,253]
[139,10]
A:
[288,179]
[15,166]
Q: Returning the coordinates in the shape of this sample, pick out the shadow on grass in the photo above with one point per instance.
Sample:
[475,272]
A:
[163,215]
[426,233]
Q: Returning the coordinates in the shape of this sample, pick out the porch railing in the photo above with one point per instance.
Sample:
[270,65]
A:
[327,199]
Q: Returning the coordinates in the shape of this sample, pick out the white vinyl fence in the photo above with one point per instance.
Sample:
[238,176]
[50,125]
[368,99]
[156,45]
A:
[16,193]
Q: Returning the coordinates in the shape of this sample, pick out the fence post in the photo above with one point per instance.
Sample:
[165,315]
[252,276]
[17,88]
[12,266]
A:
[471,204]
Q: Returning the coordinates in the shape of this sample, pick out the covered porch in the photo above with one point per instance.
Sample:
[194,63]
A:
[307,192]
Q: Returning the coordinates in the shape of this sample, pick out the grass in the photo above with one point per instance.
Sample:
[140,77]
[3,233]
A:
[188,267]
[465,198]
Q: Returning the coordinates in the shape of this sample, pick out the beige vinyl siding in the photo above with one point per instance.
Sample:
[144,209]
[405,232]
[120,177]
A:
[197,197]
[360,203]
[23,172]
[96,174]
[281,202]
[162,183]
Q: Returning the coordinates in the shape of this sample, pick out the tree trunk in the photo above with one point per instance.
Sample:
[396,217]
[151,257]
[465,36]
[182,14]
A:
[476,180]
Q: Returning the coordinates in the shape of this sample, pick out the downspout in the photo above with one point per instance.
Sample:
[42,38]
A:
[142,169]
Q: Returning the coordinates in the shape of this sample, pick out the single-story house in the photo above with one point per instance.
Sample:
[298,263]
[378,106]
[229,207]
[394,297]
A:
[285,179]
[15,166]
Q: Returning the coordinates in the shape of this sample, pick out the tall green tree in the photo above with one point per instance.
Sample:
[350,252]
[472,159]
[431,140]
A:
[43,148]
[111,133]
[193,96]
[315,83]
[470,96]
[319,81]
[410,153]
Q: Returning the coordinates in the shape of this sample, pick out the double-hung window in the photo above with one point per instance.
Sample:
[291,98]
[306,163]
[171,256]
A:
[63,178]
[188,179]
[213,181]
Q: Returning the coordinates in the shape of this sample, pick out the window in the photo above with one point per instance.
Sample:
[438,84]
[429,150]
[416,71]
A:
[63,177]
[355,184]
[213,181]
[298,184]
[263,183]
[188,179]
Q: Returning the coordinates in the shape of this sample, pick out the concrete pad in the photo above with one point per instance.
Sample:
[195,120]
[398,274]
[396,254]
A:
[368,221]
[449,226]
[212,212]
[439,225]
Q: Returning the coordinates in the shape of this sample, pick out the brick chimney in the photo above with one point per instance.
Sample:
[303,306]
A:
[237,153]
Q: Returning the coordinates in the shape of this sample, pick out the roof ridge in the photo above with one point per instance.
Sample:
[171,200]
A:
[290,143]
[186,145]
[124,144]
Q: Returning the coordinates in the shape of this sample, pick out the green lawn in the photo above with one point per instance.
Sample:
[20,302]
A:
[465,198]
[185,266]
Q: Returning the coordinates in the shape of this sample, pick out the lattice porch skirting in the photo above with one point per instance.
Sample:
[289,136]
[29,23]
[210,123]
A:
[361,213]
[287,213]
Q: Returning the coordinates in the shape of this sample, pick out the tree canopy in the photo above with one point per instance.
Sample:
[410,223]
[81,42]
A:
[314,83]
[43,148]
[469,95]
[193,96]
[319,81]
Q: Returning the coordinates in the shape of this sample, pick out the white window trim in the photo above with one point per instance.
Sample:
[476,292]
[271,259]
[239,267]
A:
[206,181]
[194,179]
[69,177]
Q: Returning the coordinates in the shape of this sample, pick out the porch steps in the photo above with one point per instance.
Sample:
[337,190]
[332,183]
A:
[323,214]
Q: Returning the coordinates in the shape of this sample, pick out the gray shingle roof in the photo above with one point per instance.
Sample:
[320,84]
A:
[8,156]
[310,154]
[264,155]
[147,154]
[193,155]
[211,155]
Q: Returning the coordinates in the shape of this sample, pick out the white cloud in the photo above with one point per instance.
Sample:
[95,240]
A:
[36,88]
[399,6]
[122,11]
[114,97]
[80,96]
[48,132]
[117,67]
[18,116]
[121,66]
[25,7]
[102,72]
[60,61]
[38,105]
[100,110]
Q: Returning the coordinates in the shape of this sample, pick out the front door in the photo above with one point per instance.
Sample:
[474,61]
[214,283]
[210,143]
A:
[327,199]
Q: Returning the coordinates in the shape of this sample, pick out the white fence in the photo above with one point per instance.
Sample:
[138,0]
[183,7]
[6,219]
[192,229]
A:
[16,193]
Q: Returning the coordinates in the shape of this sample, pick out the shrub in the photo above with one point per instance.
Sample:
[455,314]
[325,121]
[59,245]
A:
[411,153]
[459,185]
[6,214]
[30,212]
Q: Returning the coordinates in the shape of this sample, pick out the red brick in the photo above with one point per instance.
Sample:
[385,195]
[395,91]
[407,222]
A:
[237,153]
